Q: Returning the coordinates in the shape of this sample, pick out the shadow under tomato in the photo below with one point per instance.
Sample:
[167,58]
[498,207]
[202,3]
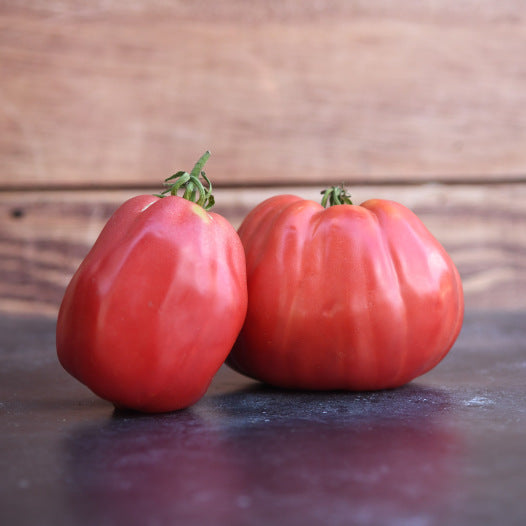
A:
[261,456]
[371,456]
[148,469]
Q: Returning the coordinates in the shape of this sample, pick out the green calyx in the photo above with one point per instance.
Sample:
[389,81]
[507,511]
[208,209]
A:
[190,184]
[335,195]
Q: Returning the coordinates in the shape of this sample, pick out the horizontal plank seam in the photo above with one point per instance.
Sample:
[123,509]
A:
[460,181]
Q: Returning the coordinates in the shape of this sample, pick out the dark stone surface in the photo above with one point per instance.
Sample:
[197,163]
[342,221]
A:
[449,448]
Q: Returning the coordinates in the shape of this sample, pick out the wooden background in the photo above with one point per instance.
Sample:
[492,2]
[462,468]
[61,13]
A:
[419,101]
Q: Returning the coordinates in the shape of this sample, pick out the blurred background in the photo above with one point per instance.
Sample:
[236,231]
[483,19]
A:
[422,102]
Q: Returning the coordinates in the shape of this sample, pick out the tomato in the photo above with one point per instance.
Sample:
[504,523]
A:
[156,305]
[344,297]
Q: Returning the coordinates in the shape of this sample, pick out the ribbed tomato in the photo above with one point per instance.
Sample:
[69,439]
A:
[345,297]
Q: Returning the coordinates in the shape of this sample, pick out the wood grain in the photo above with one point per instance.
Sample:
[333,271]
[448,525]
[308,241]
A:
[106,93]
[44,236]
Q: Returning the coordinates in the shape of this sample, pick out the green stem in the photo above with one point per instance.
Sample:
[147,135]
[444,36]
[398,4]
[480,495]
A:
[193,188]
[335,195]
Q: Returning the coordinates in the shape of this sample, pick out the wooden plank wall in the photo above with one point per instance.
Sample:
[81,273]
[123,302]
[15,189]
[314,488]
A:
[419,101]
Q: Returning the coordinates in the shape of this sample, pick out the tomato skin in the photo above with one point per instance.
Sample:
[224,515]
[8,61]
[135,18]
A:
[349,297]
[156,305]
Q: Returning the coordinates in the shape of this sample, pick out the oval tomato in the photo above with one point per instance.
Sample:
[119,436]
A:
[156,305]
[347,297]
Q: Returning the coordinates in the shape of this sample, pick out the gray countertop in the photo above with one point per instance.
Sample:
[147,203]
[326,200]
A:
[448,448]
